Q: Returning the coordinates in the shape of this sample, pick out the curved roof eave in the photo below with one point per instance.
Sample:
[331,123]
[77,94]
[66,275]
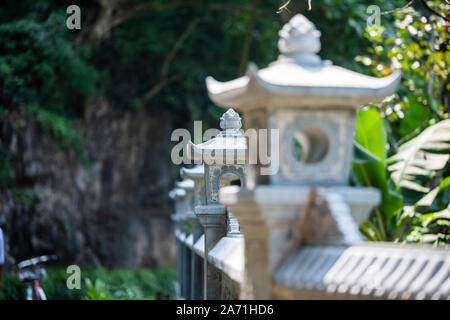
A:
[253,91]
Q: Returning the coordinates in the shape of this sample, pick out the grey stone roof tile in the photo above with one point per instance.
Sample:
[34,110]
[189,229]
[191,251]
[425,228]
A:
[370,270]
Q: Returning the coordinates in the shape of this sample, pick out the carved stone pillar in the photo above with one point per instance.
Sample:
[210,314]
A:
[254,121]
[213,220]
[178,196]
[197,174]
[185,235]
[257,272]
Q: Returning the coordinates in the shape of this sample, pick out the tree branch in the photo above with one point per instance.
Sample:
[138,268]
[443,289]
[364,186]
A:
[247,42]
[410,3]
[399,9]
[114,12]
[434,11]
[164,83]
[165,80]
[285,6]
[178,44]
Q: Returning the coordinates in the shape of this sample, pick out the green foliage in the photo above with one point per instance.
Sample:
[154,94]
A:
[370,136]
[187,228]
[39,65]
[343,21]
[420,48]
[429,218]
[431,196]
[98,284]
[431,227]
[99,290]
[11,289]
[45,78]
[27,196]
[119,284]
[424,217]
[141,44]
[362,155]
[413,145]
[42,79]
[62,129]
[417,161]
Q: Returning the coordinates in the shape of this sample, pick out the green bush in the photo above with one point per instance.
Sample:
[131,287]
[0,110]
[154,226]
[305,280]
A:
[11,289]
[98,284]
[408,133]
[43,80]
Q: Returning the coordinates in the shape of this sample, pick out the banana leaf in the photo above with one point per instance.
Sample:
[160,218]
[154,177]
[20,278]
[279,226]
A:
[370,140]
[417,160]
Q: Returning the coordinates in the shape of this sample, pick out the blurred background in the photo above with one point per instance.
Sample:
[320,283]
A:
[86,117]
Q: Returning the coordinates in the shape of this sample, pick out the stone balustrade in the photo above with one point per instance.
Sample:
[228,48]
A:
[224,258]
[291,234]
[210,246]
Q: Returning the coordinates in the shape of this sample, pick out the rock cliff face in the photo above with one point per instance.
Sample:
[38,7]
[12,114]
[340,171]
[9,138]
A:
[116,213]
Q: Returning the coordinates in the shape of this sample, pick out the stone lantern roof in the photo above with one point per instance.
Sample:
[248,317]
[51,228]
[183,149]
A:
[229,144]
[197,175]
[177,193]
[194,173]
[186,184]
[187,203]
[300,78]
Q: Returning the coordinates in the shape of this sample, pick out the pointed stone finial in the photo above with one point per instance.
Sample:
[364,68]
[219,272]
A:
[300,41]
[230,120]
[299,35]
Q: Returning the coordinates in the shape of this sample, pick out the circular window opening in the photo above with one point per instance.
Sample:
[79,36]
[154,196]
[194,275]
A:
[230,179]
[310,145]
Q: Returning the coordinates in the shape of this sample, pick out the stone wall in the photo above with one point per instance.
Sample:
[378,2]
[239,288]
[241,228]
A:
[116,213]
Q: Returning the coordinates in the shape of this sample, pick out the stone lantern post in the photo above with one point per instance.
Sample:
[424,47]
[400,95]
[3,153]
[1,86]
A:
[312,104]
[184,234]
[224,159]
[196,174]
[178,195]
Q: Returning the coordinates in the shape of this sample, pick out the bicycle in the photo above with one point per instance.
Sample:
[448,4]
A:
[32,274]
